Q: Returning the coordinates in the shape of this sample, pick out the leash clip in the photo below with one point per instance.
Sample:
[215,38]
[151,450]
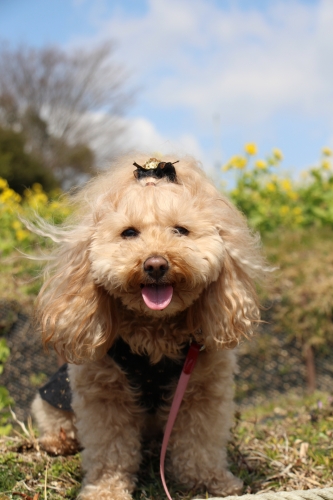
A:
[191,358]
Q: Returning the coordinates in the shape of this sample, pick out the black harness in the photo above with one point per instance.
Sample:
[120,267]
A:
[152,382]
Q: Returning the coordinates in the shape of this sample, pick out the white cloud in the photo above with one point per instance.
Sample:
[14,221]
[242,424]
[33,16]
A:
[263,67]
[137,134]
[141,134]
[248,64]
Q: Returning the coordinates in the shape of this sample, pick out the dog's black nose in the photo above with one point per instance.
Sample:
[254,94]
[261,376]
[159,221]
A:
[156,267]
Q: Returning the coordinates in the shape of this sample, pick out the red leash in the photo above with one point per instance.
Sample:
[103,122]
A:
[188,367]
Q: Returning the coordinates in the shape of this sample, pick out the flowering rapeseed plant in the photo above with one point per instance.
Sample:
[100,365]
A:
[271,201]
[13,208]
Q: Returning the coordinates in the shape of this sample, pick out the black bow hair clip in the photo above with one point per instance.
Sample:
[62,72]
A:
[157,169]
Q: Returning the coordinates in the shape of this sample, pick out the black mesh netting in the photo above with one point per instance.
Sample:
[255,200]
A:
[269,365]
[28,365]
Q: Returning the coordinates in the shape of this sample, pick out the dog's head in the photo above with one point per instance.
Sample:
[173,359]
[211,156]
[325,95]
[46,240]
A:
[154,247]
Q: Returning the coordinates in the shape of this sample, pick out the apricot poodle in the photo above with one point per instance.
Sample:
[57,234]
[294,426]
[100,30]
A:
[153,257]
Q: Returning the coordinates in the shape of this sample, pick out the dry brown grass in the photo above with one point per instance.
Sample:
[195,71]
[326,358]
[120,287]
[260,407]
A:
[281,446]
[285,445]
[302,289]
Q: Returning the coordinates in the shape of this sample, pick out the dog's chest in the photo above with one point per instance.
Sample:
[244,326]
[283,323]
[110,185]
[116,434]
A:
[151,381]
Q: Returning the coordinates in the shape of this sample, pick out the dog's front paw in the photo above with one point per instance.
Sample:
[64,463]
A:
[92,492]
[59,444]
[111,485]
[225,484]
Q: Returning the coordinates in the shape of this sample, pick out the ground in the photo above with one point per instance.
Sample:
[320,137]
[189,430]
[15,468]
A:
[286,444]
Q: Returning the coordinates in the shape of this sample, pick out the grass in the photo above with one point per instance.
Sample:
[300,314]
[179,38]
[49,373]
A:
[29,473]
[285,445]
[281,446]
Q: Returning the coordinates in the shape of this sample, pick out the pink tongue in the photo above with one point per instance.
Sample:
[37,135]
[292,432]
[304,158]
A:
[157,297]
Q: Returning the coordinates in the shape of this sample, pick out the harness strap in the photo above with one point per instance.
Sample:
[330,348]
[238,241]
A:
[188,367]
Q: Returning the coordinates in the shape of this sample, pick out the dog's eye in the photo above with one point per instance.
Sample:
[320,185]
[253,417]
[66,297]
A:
[181,230]
[130,233]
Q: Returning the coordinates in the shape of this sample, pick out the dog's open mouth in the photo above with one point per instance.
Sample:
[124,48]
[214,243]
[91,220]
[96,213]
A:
[157,297]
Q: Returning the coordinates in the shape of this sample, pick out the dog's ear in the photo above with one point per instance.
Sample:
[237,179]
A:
[76,316]
[229,307]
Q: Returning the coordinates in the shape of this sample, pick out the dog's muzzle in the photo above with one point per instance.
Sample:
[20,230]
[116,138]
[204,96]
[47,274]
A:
[156,295]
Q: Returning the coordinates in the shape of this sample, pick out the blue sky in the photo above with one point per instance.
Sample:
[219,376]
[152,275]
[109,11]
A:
[212,74]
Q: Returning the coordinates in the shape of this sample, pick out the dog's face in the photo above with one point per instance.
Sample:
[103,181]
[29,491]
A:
[157,247]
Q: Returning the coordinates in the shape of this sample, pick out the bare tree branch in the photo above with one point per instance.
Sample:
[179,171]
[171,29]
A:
[63,100]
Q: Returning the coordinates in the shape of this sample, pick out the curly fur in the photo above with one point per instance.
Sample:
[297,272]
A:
[92,295]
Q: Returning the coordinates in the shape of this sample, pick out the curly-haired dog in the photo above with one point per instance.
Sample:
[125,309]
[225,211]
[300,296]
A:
[148,263]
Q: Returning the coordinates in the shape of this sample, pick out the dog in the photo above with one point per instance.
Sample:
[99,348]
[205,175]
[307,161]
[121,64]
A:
[152,259]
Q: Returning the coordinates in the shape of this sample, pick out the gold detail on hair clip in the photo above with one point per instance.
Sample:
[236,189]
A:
[151,164]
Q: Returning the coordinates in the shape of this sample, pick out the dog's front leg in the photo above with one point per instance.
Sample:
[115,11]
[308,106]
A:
[198,454]
[109,428]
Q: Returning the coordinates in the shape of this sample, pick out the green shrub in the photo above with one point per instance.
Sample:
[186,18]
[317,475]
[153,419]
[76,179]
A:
[20,168]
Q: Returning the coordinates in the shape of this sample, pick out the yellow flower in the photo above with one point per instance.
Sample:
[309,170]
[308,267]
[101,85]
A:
[37,199]
[3,183]
[261,164]
[226,167]
[327,151]
[250,148]
[292,195]
[277,153]
[284,210]
[297,211]
[286,184]
[54,205]
[9,195]
[16,224]
[326,164]
[38,188]
[271,187]
[21,234]
[236,161]
[242,162]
